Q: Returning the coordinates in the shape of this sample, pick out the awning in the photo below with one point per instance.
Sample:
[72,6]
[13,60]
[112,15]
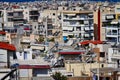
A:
[95,42]
[71,14]
[70,28]
[87,28]
[64,38]
[38,47]
[109,16]
[92,34]
[86,22]
[25,41]
[70,34]
[114,22]
[65,34]
[7,46]
[65,28]
[86,35]
[2,32]
[85,42]
[69,43]
[92,28]
[82,25]
[34,66]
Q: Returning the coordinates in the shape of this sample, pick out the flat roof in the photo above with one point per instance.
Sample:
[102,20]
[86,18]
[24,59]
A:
[105,70]
[71,12]
[71,52]
[30,64]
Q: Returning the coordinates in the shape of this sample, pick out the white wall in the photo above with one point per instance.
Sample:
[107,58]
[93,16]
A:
[20,55]
[25,72]
[3,55]
[9,24]
[110,52]
[26,14]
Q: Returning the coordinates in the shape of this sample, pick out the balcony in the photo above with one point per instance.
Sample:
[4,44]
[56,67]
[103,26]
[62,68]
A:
[78,31]
[111,26]
[111,35]
[25,40]
[86,28]
[18,17]
[13,36]
[111,39]
[75,18]
[34,13]
[18,14]
[72,24]
[115,55]
[10,14]
[91,28]
[86,35]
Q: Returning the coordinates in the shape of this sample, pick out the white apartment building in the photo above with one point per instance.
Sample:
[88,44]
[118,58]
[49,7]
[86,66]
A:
[19,16]
[78,24]
[114,56]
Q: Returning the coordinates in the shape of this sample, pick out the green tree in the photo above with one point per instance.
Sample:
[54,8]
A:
[59,76]
[40,39]
[52,40]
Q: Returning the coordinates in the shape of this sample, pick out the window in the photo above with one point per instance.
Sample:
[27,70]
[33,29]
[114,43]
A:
[53,14]
[35,27]
[7,36]
[20,53]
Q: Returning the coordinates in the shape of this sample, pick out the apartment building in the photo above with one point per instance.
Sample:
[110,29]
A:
[14,17]
[78,24]
[53,14]
[38,28]
[48,26]
[110,24]
[33,15]
[1,20]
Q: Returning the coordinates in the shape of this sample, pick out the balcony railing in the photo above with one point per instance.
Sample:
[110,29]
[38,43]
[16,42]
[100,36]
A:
[112,34]
[75,18]
[112,26]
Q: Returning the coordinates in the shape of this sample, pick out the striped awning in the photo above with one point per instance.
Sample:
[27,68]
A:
[109,16]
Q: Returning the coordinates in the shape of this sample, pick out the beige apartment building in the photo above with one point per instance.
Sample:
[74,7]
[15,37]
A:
[78,24]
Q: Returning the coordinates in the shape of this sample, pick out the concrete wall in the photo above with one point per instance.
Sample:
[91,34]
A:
[79,78]
[79,68]
[3,55]
[25,73]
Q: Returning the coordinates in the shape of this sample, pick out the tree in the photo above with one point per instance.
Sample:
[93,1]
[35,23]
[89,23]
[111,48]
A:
[41,38]
[59,76]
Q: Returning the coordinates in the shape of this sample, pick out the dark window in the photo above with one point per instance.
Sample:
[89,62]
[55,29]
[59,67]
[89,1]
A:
[102,54]
[53,14]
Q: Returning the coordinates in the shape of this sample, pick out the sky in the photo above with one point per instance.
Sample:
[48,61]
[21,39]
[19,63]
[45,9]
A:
[49,0]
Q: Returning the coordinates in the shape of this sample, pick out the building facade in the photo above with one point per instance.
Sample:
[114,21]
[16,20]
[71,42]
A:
[78,24]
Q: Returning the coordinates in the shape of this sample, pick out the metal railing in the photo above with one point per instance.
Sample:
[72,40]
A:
[12,75]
